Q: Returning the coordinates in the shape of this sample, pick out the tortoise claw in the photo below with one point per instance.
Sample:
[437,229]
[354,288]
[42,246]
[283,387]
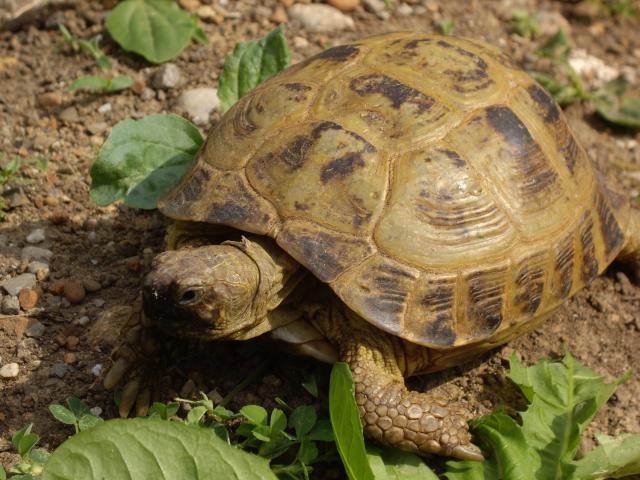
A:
[129,397]
[116,373]
[468,452]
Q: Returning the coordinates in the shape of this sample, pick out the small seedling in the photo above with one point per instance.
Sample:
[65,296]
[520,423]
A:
[446,27]
[78,414]
[524,23]
[32,460]
[92,47]
[101,84]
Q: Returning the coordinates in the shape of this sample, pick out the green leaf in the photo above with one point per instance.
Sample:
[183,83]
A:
[624,112]
[62,414]
[392,464]
[78,407]
[156,29]
[88,421]
[322,431]
[302,420]
[278,420]
[200,37]
[250,64]
[446,27]
[143,159]
[557,47]
[616,457]
[196,414]
[3,474]
[262,433]
[311,386]
[255,414]
[102,84]
[307,452]
[143,448]
[345,421]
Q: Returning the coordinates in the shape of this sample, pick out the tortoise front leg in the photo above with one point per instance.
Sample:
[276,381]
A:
[395,416]
[630,254]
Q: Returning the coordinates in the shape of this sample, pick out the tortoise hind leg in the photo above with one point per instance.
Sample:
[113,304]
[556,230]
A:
[630,253]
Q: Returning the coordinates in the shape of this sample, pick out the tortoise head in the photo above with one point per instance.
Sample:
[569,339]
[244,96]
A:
[205,292]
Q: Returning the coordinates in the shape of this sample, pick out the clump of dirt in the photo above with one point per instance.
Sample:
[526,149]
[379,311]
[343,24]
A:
[92,260]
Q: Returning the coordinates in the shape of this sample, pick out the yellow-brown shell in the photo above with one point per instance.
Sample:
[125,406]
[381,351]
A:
[435,187]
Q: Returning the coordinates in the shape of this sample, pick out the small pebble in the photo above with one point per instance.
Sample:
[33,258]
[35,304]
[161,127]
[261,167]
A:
[39,269]
[97,128]
[10,305]
[378,7]
[70,115]
[70,358]
[36,236]
[168,76]
[84,320]
[105,108]
[36,253]
[300,42]
[98,302]
[92,236]
[72,342]
[10,370]
[96,411]
[56,287]
[74,291]
[96,370]
[35,330]
[405,10]
[198,103]
[320,18]
[13,285]
[28,298]
[147,94]
[344,5]
[91,285]
[50,99]
[59,370]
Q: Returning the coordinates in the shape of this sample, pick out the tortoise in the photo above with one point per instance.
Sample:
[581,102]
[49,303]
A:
[400,203]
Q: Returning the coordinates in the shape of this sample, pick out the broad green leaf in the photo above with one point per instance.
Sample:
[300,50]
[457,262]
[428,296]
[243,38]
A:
[250,64]
[616,457]
[459,470]
[302,420]
[196,414]
[78,407]
[141,160]
[145,448]
[62,414]
[345,421]
[255,414]
[566,396]
[156,29]
[392,464]
[262,433]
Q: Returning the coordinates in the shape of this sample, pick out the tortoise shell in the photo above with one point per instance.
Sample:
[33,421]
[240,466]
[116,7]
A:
[434,186]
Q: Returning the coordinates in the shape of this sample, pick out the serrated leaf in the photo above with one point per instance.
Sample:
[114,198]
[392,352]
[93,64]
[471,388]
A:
[345,421]
[255,414]
[250,64]
[144,448]
[392,464]
[62,414]
[302,420]
[616,457]
[156,29]
[143,159]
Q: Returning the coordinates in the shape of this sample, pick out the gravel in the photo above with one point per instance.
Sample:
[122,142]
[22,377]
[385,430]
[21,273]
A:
[10,370]
[36,253]
[35,330]
[10,305]
[317,17]
[13,285]
[36,236]
[199,103]
[168,76]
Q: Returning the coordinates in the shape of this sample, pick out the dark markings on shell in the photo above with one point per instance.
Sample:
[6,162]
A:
[544,102]
[529,284]
[437,303]
[340,53]
[616,200]
[534,171]
[564,260]
[325,254]
[301,207]
[569,150]
[342,167]
[471,79]
[457,160]
[589,260]
[611,231]
[297,87]
[486,297]
[295,154]
[191,189]
[390,290]
[398,93]
[239,206]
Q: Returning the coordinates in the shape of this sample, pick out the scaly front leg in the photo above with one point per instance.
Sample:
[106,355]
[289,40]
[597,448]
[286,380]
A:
[395,416]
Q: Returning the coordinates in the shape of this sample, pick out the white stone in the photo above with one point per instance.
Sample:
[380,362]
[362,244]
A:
[10,305]
[198,103]
[84,320]
[96,411]
[591,68]
[168,76]
[36,253]
[105,108]
[96,369]
[13,285]
[39,269]
[317,17]
[10,370]
[378,7]
[404,10]
[36,236]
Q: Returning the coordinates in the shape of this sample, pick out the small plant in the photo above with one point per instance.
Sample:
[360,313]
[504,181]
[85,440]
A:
[158,30]
[78,414]
[92,47]
[524,23]
[7,172]
[32,460]
[446,27]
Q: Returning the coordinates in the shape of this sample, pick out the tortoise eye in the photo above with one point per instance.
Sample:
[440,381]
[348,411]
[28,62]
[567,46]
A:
[190,295]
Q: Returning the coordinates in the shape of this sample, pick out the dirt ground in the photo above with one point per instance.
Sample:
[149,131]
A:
[61,347]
